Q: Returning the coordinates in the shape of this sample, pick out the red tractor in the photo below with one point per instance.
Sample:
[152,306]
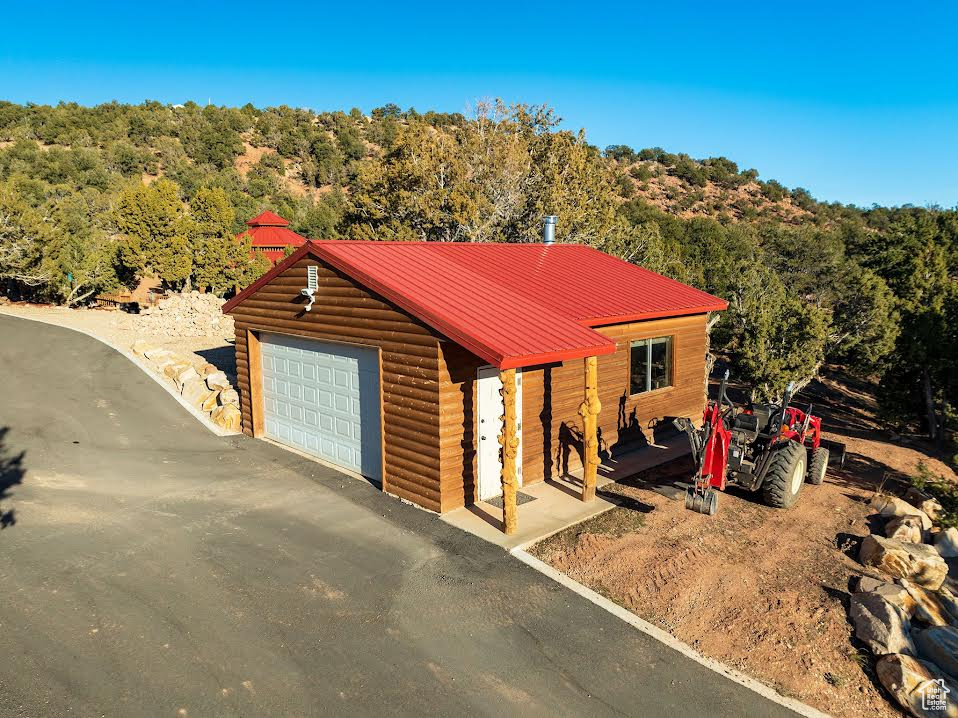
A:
[772,447]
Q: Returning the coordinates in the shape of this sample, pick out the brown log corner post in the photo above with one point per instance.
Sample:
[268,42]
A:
[589,411]
[510,445]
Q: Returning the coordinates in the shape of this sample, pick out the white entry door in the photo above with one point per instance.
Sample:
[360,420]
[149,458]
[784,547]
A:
[490,413]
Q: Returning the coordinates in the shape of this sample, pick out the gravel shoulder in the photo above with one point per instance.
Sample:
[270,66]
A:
[120,329]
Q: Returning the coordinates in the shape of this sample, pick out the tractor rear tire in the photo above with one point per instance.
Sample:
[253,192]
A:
[818,466]
[785,476]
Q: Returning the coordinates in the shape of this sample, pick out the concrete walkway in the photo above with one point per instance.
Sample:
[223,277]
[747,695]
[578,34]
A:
[149,568]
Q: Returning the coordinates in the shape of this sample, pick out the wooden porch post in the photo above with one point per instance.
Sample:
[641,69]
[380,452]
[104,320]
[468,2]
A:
[510,443]
[589,411]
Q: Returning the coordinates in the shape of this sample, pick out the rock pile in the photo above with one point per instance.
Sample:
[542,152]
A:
[908,618]
[199,383]
[186,315]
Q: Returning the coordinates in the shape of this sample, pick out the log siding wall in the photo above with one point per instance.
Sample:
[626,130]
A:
[551,425]
[409,357]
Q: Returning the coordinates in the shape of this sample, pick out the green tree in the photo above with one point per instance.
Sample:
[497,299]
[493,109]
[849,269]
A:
[82,256]
[24,234]
[920,374]
[150,220]
[865,321]
[321,220]
[420,190]
[778,338]
[210,229]
[489,180]
[221,262]
[83,268]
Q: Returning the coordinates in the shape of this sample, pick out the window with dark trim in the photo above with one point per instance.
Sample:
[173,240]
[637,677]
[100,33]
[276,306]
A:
[650,364]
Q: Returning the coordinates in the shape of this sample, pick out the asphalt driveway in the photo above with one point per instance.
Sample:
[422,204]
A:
[149,568]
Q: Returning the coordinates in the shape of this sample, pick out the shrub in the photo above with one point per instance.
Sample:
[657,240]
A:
[773,191]
[640,173]
[942,489]
[620,153]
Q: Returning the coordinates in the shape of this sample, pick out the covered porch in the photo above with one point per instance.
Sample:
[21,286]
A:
[547,507]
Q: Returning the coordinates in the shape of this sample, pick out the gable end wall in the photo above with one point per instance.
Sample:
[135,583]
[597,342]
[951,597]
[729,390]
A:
[345,312]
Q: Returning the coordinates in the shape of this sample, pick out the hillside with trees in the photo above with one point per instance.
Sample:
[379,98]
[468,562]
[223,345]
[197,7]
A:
[95,198]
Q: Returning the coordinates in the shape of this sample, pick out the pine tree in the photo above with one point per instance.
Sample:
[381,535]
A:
[24,236]
[151,221]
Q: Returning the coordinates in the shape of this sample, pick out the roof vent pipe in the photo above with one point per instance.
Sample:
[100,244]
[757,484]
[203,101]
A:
[549,229]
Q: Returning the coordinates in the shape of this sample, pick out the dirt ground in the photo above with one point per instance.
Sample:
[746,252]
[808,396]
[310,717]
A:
[762,590]
[117,328]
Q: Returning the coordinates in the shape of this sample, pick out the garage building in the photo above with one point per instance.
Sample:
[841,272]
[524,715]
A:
[410,363]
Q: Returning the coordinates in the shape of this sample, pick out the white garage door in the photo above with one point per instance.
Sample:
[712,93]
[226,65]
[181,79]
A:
[323,398]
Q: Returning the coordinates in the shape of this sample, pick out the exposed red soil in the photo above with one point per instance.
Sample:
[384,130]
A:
[289,181]
[676,196]
[762,590]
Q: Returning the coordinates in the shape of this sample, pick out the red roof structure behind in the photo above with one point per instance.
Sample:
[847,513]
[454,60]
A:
[270,235]
[267,219]
[513,305]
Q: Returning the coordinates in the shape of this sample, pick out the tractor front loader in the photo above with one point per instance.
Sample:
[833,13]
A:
[772,448]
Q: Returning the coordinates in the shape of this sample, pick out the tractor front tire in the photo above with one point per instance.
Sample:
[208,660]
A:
[818,466]
[785,476]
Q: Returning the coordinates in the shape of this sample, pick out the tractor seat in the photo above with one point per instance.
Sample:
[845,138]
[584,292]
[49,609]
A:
[746,424]
[767,418]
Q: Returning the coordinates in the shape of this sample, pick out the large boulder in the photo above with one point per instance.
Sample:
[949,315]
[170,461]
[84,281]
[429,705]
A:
[916,496]
[211,401]
[880,625]
[153,353]
[928,605]
[939,645]
[904,528]
[949,601]
[165,360]
[206,369]
[947,542]
[894,593]
[218,381]
[924,501]
[899,597]
[916,562]
[195,392]
[141,347]
[866,584]
[230,396]
[227,417]
[186,376]
[174,370]
[916,685]
[889,506]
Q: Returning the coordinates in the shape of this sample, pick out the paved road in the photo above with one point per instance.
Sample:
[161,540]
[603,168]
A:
[149,568]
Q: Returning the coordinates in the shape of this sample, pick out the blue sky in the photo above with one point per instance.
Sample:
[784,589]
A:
[857,102]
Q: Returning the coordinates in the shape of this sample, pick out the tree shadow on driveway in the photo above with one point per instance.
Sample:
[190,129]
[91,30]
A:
[11,474]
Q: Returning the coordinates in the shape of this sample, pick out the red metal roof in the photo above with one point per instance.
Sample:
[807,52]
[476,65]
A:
[513,305]
[267,219]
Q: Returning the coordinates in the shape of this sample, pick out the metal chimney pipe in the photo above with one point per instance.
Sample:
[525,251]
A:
[549,229]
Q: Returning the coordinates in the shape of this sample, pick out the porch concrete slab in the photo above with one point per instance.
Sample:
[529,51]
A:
[557,502]
[633,462]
